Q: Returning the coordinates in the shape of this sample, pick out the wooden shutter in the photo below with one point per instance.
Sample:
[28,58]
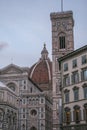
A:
[80,115]
[70,117]
[84,114]
[74,117]
[72,78]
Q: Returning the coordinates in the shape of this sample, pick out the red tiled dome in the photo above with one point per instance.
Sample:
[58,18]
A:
[41,72]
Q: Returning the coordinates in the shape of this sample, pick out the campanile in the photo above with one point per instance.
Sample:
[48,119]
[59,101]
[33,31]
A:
[62,43]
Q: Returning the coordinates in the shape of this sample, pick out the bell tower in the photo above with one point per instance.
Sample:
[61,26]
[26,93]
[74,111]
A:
[62,43]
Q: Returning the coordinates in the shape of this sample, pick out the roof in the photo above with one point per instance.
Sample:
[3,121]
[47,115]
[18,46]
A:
[41,71]
[20,69]
[77,51]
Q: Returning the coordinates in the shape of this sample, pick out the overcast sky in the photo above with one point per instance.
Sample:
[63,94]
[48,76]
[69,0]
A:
[25,25]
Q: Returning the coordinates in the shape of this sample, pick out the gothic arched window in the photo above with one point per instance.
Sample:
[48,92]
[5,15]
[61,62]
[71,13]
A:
[62,41]
[23,126]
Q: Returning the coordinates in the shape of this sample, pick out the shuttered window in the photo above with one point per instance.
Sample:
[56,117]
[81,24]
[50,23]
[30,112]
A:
[67,114]
[77,114]
[85,114]
[68,117]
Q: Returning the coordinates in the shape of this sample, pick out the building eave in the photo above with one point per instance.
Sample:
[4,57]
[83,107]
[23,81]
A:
[77,51]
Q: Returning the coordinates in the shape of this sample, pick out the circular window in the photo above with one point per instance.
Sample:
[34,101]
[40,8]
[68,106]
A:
[33,112]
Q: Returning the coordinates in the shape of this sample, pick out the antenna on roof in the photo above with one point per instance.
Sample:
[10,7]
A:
[61,5]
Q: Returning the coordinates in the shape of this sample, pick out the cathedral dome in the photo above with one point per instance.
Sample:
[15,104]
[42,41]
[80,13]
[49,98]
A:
[41,72]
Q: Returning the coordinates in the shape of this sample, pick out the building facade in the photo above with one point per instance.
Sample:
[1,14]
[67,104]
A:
[34,106]
[36,111]
[8,108]
[62,43]
[73,68]
[37,90]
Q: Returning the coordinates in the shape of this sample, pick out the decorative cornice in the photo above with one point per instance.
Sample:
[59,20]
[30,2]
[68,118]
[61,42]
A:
[69,55]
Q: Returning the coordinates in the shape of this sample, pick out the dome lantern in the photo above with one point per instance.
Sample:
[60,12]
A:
[44,53]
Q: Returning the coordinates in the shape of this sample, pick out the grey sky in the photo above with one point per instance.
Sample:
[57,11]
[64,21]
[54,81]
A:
[25,25]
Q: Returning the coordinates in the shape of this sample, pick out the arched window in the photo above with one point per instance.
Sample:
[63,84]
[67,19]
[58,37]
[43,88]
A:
[24,87]
[85,112]
[67,115]
[33,101]
[85,90]
[23,126]
[23,115]
[30,101]
[77,114]
[37,100]
[23,101]
[76,93]
[62,41]
[24,81]
[66,93]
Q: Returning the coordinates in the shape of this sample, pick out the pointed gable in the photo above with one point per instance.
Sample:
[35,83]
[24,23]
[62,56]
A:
[11,69]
